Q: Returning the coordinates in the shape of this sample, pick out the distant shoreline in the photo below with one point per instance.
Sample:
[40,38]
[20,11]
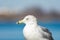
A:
[40,15]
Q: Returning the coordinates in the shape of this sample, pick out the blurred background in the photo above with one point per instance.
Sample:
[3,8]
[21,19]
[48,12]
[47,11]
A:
[46,11]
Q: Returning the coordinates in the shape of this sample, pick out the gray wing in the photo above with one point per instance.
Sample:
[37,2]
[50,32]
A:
[47,31]
[25,38]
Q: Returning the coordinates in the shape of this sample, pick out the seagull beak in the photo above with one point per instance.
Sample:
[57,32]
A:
[19,22]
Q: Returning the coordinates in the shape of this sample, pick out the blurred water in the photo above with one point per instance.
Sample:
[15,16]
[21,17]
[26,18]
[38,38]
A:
[12,31]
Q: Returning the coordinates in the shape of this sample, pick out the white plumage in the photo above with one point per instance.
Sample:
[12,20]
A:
[32,31]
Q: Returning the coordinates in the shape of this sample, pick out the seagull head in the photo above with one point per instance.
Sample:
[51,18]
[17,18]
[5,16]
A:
[27,19]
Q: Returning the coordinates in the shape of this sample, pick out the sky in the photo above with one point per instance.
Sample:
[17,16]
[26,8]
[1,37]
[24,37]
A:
[22,4]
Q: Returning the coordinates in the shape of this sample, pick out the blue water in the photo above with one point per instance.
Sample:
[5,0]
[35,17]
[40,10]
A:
[12,31]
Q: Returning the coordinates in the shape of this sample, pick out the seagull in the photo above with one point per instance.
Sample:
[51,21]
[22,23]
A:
[33,31]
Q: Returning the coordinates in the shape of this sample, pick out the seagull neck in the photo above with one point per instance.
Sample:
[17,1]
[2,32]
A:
[32,24]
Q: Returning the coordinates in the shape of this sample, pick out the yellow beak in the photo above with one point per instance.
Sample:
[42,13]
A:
[19,22]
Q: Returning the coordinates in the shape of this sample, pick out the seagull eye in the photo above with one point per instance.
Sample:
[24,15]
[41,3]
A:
[27,18]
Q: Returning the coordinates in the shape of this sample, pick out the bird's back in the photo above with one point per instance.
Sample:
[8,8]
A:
[46,33]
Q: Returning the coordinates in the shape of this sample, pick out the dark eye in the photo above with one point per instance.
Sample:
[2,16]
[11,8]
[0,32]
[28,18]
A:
[27,18]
